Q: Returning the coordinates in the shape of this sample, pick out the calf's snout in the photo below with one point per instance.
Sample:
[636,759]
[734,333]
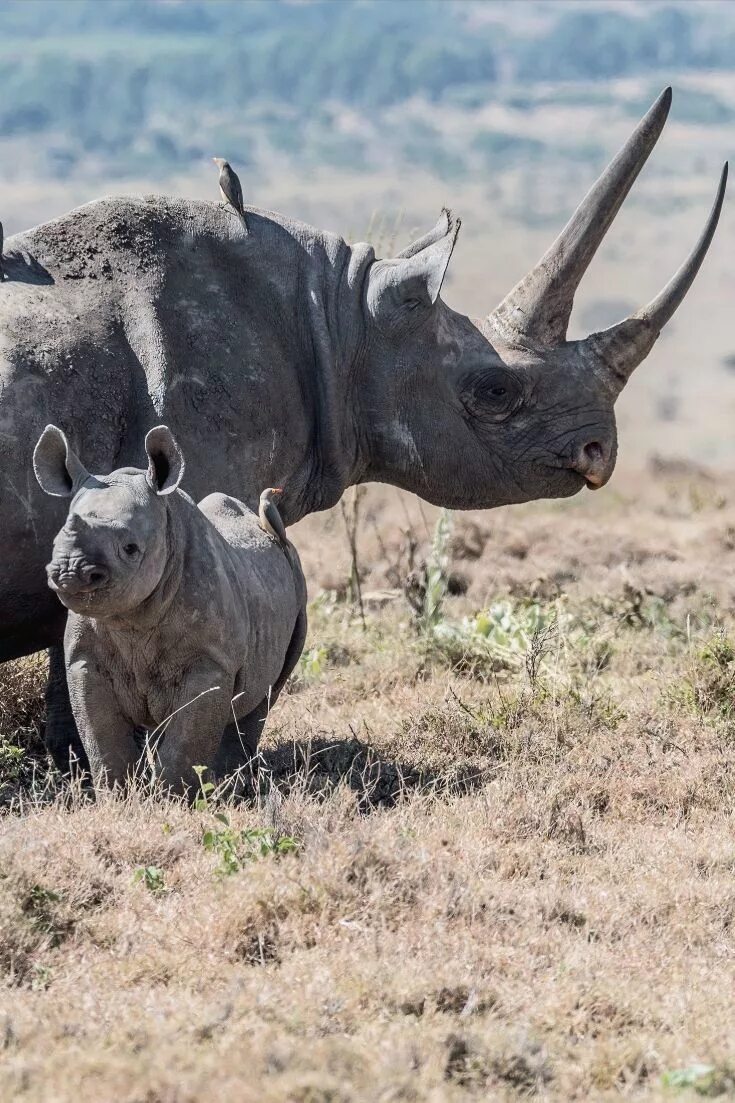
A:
[76,576]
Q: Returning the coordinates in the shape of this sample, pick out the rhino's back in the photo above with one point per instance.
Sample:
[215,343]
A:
[120,239]
[265,589]
[131,311]
[262,566]
[236,522]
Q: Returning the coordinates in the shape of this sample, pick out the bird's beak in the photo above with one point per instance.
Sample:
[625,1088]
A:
[278,490]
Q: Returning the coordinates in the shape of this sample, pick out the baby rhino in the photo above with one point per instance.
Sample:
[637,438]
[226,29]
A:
[178,612]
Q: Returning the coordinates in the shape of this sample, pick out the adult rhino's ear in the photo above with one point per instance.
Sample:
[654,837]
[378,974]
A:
[165,460]
[436,233]
[57,467]
[410,283]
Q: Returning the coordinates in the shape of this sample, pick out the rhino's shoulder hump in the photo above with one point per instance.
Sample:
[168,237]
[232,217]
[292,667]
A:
[224,505]
[236,521]
[87,241]
[150,227]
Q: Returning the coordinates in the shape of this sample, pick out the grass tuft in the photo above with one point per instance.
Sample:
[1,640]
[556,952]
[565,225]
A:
[488,854]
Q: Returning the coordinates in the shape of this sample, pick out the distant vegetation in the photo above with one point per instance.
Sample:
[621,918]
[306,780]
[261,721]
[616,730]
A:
[117,83]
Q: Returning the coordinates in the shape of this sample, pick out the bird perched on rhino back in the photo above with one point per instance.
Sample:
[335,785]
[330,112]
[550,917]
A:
[230,186]
[270,517]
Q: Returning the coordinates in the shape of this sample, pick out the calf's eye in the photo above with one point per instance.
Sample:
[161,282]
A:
[131,549]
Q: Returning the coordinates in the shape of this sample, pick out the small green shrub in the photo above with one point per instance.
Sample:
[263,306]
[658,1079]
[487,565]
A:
[709,687]
[705,1080]
[500,637]
[437,572]
[150,876]
[313,663]
[12,760]
[235,848]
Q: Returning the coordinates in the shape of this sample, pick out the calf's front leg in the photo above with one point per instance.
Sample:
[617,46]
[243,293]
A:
[191,737]
[106,734]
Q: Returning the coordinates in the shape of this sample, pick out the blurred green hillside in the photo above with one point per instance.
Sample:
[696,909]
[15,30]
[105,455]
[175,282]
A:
[365,117]
[105,87]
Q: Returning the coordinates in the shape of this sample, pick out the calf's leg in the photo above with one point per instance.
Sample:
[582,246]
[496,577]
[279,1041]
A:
[61,735]
[193,734]
[238,747]
[107,735]
[240,741]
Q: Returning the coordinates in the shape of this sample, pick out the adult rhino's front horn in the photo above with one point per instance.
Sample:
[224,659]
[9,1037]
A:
[536,313]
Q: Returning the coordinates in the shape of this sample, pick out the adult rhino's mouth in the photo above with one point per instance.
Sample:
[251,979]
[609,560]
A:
[592,479]
[564,474]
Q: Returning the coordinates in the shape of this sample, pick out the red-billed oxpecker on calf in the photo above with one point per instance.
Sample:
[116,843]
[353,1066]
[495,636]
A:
[270,519]
[289,357]
[183,619]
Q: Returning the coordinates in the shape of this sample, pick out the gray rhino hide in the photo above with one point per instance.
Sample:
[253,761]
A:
[280,355]
[195,622]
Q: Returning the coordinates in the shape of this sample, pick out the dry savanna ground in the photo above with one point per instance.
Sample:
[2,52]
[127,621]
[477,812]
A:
[489,854]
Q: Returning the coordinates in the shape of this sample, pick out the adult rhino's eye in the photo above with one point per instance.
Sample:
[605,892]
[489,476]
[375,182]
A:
[492,395]
[131,549]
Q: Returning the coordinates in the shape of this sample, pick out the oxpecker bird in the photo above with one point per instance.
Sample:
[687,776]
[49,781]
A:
[270,518]
[229,185]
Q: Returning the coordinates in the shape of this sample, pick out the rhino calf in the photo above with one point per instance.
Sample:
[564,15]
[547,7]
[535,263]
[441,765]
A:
[167,600]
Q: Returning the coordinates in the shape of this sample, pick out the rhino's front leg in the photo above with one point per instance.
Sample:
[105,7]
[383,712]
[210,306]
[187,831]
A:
[61,736]
[107,735]
[193,734]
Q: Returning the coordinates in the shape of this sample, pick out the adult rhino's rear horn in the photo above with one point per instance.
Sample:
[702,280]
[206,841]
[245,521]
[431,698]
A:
[538,308]
[622,347]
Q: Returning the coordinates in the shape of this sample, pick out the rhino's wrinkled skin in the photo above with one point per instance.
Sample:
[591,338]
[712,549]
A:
[281,355]
[183,619]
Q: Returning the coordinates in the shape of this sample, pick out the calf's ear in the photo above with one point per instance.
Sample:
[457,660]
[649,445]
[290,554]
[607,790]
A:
[57,467]
[165,460]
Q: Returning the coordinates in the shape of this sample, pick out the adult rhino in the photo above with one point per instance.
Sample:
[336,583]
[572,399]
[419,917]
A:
[283,356]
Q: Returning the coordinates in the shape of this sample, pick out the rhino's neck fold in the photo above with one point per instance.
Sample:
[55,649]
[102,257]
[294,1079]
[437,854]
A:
[333,354]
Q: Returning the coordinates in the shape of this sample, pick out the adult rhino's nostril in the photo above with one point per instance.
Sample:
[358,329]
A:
[591,461]
[593,453]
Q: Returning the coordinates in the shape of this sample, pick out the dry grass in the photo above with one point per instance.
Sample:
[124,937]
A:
[507,882]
